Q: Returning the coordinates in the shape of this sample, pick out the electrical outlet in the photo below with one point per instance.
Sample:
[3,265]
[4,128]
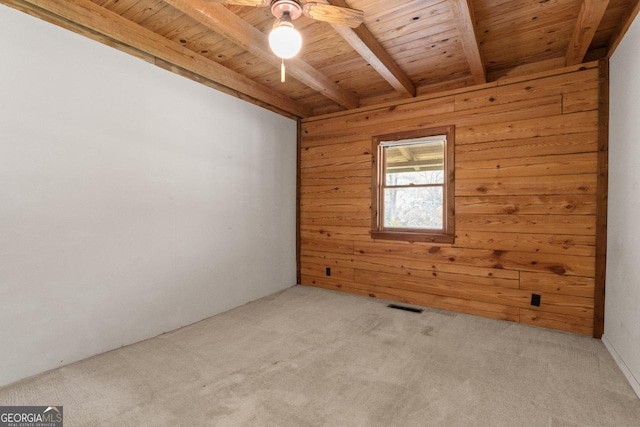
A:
[328,271]
[535,300]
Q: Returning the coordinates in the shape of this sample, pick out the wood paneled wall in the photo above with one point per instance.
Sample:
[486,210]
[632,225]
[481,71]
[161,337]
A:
[526,180]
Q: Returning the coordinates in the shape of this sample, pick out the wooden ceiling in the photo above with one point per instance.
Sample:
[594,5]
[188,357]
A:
[404,48]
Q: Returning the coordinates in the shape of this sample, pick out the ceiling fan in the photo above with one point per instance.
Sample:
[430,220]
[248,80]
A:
[314,10]
[285,41]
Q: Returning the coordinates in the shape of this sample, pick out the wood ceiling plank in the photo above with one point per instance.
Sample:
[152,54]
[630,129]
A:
[119,6]
[625,23]
[222,21]
[612,17]
[589,18]
[158,19]
[526,18]
[426,39]
[466,23]
[142,10]
[89,15]
[401,13]
[101,2]
[363,42]
[401,22]
[514,53]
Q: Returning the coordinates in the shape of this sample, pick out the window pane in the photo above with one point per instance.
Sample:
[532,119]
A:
[413,208]
[415,164]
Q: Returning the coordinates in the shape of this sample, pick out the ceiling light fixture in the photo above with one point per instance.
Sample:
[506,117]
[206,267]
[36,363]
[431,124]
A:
[284,40]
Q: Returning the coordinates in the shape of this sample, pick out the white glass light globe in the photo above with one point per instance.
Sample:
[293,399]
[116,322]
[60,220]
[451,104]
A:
[285,41]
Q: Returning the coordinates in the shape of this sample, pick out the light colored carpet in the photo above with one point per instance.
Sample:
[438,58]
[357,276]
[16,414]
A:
[311,357]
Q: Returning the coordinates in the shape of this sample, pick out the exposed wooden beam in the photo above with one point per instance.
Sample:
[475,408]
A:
[466,23]
[226,23]
[363,42]
[102,21]
[627,19]
[589,18]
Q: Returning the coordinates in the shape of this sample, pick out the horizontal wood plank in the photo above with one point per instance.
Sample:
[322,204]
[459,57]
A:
[527,205]
[580,225]
[579,101]
[335,205]
[575,324]
[583,142]
[320,270]
[561,244]
[516,186]
[566,164]
[336,232]
[326,244]
[551,283]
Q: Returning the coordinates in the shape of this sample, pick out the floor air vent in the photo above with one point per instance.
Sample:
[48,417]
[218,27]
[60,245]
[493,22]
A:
[402,307]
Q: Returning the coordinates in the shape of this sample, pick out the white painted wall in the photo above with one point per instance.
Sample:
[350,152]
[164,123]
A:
[132,201]
[622,303]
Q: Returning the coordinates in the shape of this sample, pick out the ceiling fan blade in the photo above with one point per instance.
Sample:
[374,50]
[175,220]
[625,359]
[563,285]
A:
[255,3]
[333,14]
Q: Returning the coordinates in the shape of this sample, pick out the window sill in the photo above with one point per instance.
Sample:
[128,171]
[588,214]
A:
[410,236]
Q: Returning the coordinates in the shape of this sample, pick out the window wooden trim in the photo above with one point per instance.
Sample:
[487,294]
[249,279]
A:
[447,235]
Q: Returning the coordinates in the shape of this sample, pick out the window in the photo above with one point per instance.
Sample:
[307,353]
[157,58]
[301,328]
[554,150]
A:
[412,192]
